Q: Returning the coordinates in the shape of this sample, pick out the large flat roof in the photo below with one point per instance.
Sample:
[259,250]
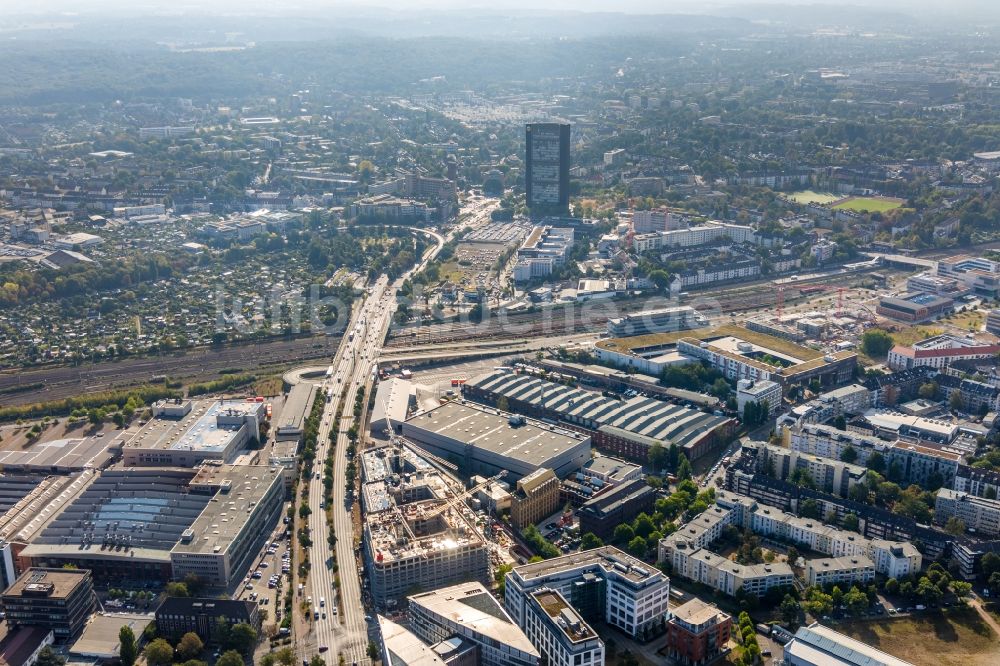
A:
[608,558]
[100,635]
[491,430]
[69,454]
[471,605]
[242,487]
[136,512]
[196,431]
[404,648]
[62,582]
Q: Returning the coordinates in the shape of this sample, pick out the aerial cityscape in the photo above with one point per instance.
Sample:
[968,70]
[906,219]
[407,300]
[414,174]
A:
[573,334]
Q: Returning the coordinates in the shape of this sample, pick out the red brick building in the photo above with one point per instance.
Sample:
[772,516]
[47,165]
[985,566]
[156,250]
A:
[697,633]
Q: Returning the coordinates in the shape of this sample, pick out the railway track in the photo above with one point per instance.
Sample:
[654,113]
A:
[571,319]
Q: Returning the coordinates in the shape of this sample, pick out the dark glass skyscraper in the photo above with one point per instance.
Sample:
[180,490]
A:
[547,167]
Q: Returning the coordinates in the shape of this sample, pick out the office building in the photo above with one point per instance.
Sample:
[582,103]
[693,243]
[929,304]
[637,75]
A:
[843,571]
[979,274]
[608,471]
[697,632]
[177,616]
[817,645]
[677,318]
[561,635]
[402,647]
[978,513]
[535,498]
[469,612]
[616,506]
[763,392]
[737,352]
[543,250]
[547,167]
[485,441]
[220,545]
[993,322]
[56,599]
[185,433]
[600,584]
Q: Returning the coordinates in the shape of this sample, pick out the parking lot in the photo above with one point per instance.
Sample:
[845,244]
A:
[266,579]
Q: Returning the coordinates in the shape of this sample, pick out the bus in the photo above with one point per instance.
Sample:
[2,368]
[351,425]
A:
[329,372]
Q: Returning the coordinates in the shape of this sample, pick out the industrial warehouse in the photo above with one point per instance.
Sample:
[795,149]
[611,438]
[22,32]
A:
[160,523]
[623,428]
[485,441]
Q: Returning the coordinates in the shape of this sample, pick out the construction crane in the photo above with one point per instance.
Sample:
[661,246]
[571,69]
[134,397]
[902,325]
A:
[437,511]
[396,440]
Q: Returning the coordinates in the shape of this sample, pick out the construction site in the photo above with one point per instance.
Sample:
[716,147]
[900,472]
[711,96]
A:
[418,530]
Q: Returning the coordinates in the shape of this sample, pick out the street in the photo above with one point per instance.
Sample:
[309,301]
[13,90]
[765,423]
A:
[341,628]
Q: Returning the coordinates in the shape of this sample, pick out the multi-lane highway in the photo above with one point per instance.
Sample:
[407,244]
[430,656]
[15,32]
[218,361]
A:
[342,629]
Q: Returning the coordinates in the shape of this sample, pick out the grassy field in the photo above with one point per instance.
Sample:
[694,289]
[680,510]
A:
[869,204]
[907,335]
[955,637]
[810,197]
[970,320]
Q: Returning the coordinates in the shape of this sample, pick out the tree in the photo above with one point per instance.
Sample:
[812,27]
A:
[49,658]
[850,522]
[793,555]
[128,649]
[503,404]
[190,645]
[177,590]
[809,509]
[955,526]
[840,423]
[230,658]
[876,462]
[268,659]
[638,547]
[955,401]
[849,454]
[242,637]
[892,586]
[856,601]
[317,661]
[657,456]
[684,471]
[961,589]
[790,610]
[990,564]
[623,534]
[928,390]
[285,656]
[876,342]
[589,541]
[159,653]
[673,457]
[643,525]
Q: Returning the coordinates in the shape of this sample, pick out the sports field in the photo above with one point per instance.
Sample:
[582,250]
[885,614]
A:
[810,197]
[869,204]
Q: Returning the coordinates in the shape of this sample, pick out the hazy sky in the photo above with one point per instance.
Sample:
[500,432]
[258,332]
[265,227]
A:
[630,6]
